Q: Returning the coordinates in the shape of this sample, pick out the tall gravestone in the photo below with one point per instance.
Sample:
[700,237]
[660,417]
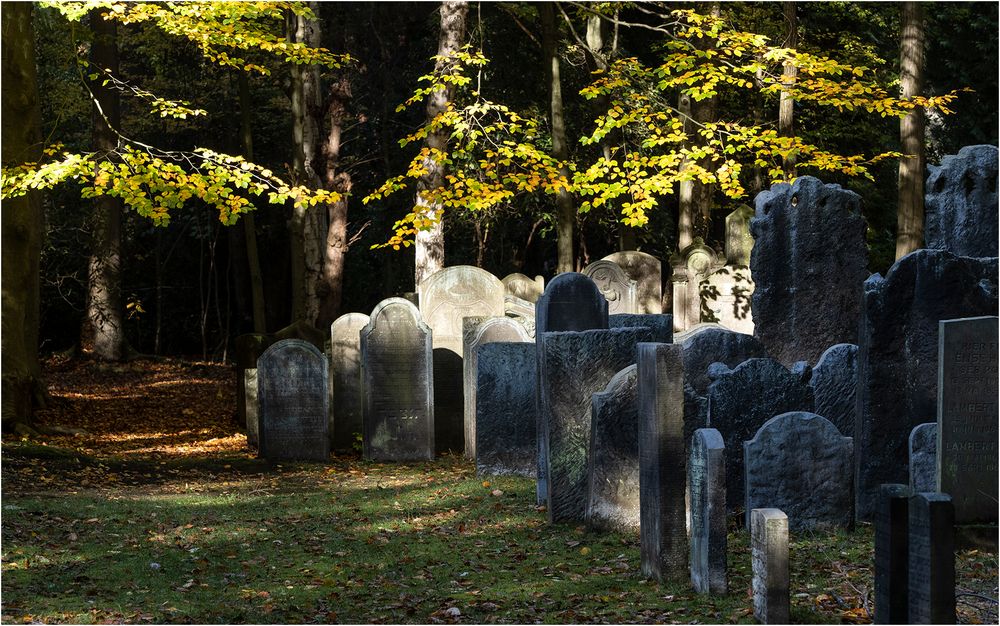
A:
[961,203]
[506,423]
[707,513]
[898,355]
[835,384]
[345,380]
[801,304]
[293,399]
[397,383]
[613,461]
[923,458]
[769,560]
[620,290]
[968,417]
[931,559]
[522,287]
[661,324]
[800,463]
[892,553]
[645,270]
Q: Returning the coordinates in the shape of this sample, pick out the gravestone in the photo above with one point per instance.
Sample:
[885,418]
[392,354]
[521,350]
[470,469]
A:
[521,311]
[769,559]
[572,367]
[485,331]
[707,515]
[645,270]
[522,287]
[835,384]
[725,298]
[506,423]
[892,553]
[898,355]
[246,350]
[931,559]
[923,458]
[961,203]
[449,401]
[800,463]
[739,241]
[614,283]
[968,417]
[742,399]
[690,267]
[293,398]
[397,384]
[345,380]
[303,330]
[808,262]
[684,335]
[252,406]
[661,324]
[613,461]
[662,463]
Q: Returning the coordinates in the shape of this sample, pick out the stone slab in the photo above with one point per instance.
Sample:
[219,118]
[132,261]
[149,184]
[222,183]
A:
[661,324]
[613,461]
[645,270]
[923,458]
[961,203]
[769,559]
[892,553]
[707,513]
[620,290]
[506,421]
[931,559]
[346,400]
[293,399]
[835,385]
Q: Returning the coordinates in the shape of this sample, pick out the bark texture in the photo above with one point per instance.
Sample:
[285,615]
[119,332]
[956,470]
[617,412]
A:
[786,111]
[248,223]
[565,208]
[910,215]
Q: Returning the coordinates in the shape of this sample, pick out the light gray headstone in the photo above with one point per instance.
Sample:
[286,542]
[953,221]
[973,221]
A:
[614,283]
[923,458]
[725,298]
[835,384]
[346,400]
[769,557]
[506,423]
[690,267]
[961,203]
[645,270]
[613,462]
[293,398]
[522,287]
[252,406]
[707,513]
[931,559]
[739,241]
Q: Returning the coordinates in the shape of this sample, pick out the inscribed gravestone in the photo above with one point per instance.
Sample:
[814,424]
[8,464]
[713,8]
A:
[739,241]
[835,384]
[968,417]
[800,463]
[661,324]
[397,380]
[725,298]
[506,425]
[931,559]
[522,287]
[802,231]
[898,355]
[961,203]
[613,462]
[690,267]
[293,399]
[923,458]
[252,406]
[892,553]
[769,556]
[707,514]
[645,270]
[345,379]
[614,283]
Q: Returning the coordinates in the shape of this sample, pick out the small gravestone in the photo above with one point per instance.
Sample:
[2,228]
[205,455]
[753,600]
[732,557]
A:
[506,424]
[252,406]
[739,241]
[397,384]
[707,515]
[522,287]
[769,559]
[801,231]
[892,553]
[800,463]
[725,298]
[645,270]
[293,399]
[923,458]
[690,268]
[898,356]
[961,203]
[931,559]
[661,324]
[614,283]
[246,350]
[662,466]
[835,384]
[613,462]
[345,380]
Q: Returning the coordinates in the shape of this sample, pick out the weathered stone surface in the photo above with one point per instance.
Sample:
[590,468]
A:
[645,270]
[662,325]
[613,462]
[522,287]
[800,463]
[690,267]
[572,367]
[968,417]
[725,298]
[620,290]
[739,241]
[293,399]
[707,513]
[246,350]
[769,557]
[252,406]
[961,203]
[741,400]
[898,355]
[506,423]
[521,311]
[304,331]
[809,261]
[346,400]
[662,462]
[892,552]
[835,385]
[932,559]
[486,331]
[923,458]
[397,380]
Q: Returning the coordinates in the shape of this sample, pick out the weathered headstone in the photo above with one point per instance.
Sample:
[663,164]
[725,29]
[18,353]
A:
[522,287]
[293,399]
[252,406]
[898,355]
[923,458]
[521,311]
[769,557]
[506,424]
[835,384]
[397,384]
[707,516]
[661,324]
[725,298]
[613,462]
[645,270]
[303,330]
[690,267]
[932,559]
[800,463]
[345,380]
[620,290]
[572,366]
[739,241]
[892,553]
[968,417]
[801,231]
[662,463]
[246,350]
[961,203]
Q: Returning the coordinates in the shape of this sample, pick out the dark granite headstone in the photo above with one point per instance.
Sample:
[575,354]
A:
[809,260]
[892,553]
[898,355]
[645,270]
[397,384]
[835,384]
[932,559]
[293,399]
[614,283]
[923,458]
[506,424]
[707,515]
[961,203]
[613,463]
[769,558]
[345,380]
[661,324]
[800,463]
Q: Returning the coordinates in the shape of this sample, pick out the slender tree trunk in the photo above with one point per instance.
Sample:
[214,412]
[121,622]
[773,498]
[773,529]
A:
[103,330]
[337,180]
[685,194]
[786,111]
[429,248]
[565,208]
[249,227]
[910,214]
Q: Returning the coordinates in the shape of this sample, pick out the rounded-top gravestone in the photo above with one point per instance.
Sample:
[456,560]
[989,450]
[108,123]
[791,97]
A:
[646,271]
[571,301]
[293,399]
[614,283]
[345,379]
[456,292]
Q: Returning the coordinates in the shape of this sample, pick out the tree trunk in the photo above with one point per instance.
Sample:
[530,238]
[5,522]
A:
[786,126]
[565,209]
[340,181]
[249,228]
[429,248]
[910,215]
[103,332]
[685,195]
[22,219]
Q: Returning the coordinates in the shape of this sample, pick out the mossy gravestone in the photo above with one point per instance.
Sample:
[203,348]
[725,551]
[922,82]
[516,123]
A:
[345,380]
[293,398]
